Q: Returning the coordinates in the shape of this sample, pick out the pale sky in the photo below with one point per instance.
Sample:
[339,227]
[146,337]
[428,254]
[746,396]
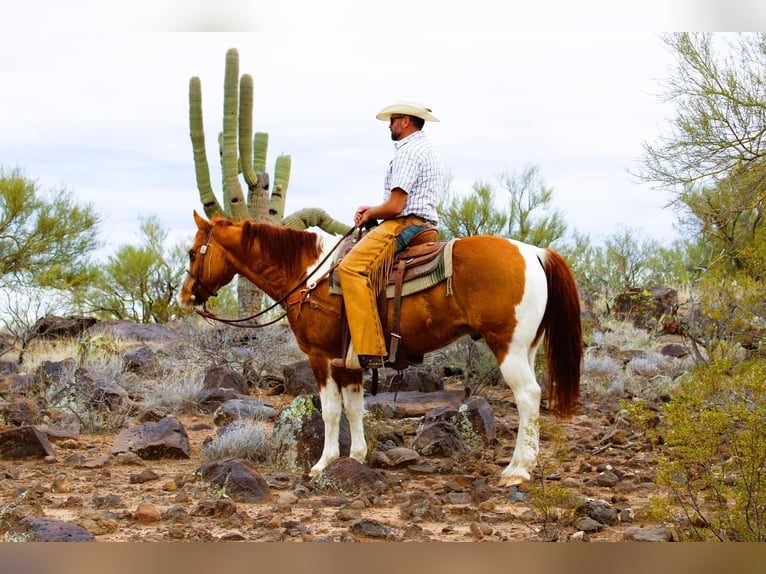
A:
[103,109]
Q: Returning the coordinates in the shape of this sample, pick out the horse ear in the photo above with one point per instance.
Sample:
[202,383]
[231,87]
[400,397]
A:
[199,220]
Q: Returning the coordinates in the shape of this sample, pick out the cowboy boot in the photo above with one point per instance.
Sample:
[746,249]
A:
[351,362]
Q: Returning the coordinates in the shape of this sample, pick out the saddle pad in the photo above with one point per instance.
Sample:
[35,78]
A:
[431,273]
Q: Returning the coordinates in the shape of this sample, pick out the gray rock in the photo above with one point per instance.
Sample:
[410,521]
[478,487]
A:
[38,529]
[348,477]
[299,379]
[372,529]
[240,479]
[598,510]
[411,403]
[587,524]
[166,438]
[607,478]
[638,534]
[414,379]
[247,408]
[440,439]
[141,361]
[298,436]
[224,377]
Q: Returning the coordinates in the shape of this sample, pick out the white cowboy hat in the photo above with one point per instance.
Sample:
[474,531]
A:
[408,109]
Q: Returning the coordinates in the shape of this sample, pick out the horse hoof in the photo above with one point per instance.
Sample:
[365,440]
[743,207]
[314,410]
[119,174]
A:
[513,479]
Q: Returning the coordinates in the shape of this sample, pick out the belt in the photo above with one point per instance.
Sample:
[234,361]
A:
[423,219]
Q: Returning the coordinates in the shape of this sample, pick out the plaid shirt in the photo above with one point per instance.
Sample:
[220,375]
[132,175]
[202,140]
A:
[418,171]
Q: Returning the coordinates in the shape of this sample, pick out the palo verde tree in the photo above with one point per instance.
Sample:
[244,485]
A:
[46,239]
[138,282]
[713,159]
[529,215]
[244,153]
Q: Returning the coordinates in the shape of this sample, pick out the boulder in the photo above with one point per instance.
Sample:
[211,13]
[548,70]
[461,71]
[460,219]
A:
[166,438]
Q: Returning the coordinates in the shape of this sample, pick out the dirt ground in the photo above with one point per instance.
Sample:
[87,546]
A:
[598,457]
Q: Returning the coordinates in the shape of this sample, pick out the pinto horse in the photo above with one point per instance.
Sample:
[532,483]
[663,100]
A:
[513,295]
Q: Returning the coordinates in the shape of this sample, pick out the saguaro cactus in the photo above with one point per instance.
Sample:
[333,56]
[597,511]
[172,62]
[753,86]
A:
[241,152]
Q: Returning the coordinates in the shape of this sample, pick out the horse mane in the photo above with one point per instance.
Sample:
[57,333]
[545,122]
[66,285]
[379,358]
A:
[295,249]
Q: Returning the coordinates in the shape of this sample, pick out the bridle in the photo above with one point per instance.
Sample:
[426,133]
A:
[244,321]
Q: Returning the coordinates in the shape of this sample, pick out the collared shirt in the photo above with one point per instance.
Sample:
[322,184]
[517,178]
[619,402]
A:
[417,170]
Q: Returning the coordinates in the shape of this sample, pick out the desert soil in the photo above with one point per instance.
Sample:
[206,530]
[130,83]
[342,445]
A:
[600,457]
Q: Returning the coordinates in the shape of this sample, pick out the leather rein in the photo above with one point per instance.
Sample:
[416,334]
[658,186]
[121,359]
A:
[244,322]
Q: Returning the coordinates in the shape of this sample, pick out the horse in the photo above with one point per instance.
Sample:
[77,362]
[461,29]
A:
[512,295]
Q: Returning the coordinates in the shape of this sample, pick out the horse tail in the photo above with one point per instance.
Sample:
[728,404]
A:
[563,333]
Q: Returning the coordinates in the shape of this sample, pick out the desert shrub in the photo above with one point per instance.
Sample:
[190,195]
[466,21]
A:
[712,457]
[247,439]
[473,360]
[551,505]
[727,319]
[180,391]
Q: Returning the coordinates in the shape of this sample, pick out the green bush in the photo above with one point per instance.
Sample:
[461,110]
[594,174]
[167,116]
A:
[712,441]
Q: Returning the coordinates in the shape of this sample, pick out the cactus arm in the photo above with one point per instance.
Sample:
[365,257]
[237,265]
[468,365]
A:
[260,148]
[281,181]
[232,190]
[315,217]
[202,172]
[246,130]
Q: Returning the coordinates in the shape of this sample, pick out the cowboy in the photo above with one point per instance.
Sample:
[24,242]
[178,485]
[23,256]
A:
[414,186]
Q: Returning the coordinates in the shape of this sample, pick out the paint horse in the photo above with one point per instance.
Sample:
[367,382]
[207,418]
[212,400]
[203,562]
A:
[513,295]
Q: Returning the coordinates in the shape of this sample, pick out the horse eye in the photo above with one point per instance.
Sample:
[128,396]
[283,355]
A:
[192,255]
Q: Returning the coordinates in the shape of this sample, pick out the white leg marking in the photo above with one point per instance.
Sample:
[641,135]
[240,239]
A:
[329,396]
[353,400]
[520,377]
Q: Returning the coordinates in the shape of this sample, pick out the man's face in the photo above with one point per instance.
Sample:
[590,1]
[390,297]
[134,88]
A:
[396,125]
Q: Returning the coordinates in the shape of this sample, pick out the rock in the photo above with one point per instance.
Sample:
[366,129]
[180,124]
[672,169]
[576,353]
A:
[224,377]
[19,412]
[24,442]
[14,384]
[215,508]
[397,456]
[414,379]
[247,408]
[673,350]
[598,510]
[299,379]
[239,478]
[587,524]
[211,399]
[146,475]
[638,534]
[298,435]
[372,529]
[607,478]
[54,372]
[439,439]
[38,529]
[123,329]
[141,361]
[645,307]
[153,441]
[53,327]
[348,477]
[146,513]
[411,403]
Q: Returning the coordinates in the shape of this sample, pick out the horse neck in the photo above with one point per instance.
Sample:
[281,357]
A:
[264,266]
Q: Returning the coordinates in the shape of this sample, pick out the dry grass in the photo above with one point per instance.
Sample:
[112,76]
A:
[247,438]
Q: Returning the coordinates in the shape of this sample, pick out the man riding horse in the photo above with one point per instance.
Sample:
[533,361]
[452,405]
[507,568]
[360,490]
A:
[414,186]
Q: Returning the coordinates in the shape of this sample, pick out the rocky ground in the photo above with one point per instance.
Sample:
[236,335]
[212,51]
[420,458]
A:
[594,483]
